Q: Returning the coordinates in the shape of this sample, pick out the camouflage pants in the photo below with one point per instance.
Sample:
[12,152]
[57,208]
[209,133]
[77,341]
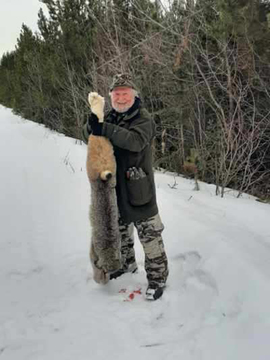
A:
[149,233]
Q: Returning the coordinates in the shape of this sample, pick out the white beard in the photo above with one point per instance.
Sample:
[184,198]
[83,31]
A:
[122,109]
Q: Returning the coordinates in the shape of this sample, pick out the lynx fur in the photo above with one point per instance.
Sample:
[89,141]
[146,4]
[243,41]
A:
[105,252]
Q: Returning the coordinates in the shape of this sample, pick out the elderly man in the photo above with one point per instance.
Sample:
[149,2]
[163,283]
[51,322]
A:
[131,130]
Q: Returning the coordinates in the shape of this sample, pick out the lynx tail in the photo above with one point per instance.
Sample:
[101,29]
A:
[106,175]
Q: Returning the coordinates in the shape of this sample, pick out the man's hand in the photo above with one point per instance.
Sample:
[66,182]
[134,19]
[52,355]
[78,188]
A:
[97,105]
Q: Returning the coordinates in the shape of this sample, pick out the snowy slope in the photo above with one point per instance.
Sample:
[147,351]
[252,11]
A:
[216,305]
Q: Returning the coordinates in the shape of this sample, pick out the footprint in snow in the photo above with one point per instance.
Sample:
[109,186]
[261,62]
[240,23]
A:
[188,261]
[186,268]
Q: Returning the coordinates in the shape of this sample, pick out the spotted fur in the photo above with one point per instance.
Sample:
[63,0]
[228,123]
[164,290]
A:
[105,252]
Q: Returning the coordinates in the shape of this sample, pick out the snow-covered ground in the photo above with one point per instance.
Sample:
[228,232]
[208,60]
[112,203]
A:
[216,305]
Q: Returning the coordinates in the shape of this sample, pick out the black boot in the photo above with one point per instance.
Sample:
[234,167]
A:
[154,291]
[131,269]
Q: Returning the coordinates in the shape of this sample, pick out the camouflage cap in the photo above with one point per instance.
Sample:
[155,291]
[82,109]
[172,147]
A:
[123,79]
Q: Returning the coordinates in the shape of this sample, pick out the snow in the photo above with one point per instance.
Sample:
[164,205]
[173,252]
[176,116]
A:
[216,305]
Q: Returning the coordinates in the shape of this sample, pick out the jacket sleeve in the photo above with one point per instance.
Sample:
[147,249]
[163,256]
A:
[136,138]
[85,133]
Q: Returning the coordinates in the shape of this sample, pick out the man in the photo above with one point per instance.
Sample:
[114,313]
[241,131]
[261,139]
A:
[131,130]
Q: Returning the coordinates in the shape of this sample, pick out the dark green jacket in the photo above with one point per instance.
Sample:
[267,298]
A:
[131,135]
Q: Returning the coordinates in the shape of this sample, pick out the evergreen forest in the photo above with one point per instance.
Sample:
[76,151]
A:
[202,69]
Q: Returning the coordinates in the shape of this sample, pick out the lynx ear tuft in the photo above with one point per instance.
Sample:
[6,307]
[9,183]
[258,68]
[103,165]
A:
[106,175]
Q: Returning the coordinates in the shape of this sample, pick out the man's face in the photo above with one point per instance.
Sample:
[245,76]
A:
[122,98]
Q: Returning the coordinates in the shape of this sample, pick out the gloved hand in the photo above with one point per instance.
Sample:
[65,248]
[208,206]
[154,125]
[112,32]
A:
[94,126]
[97,105]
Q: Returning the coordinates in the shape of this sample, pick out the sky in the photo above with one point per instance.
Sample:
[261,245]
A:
[12,15]
[215,305]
